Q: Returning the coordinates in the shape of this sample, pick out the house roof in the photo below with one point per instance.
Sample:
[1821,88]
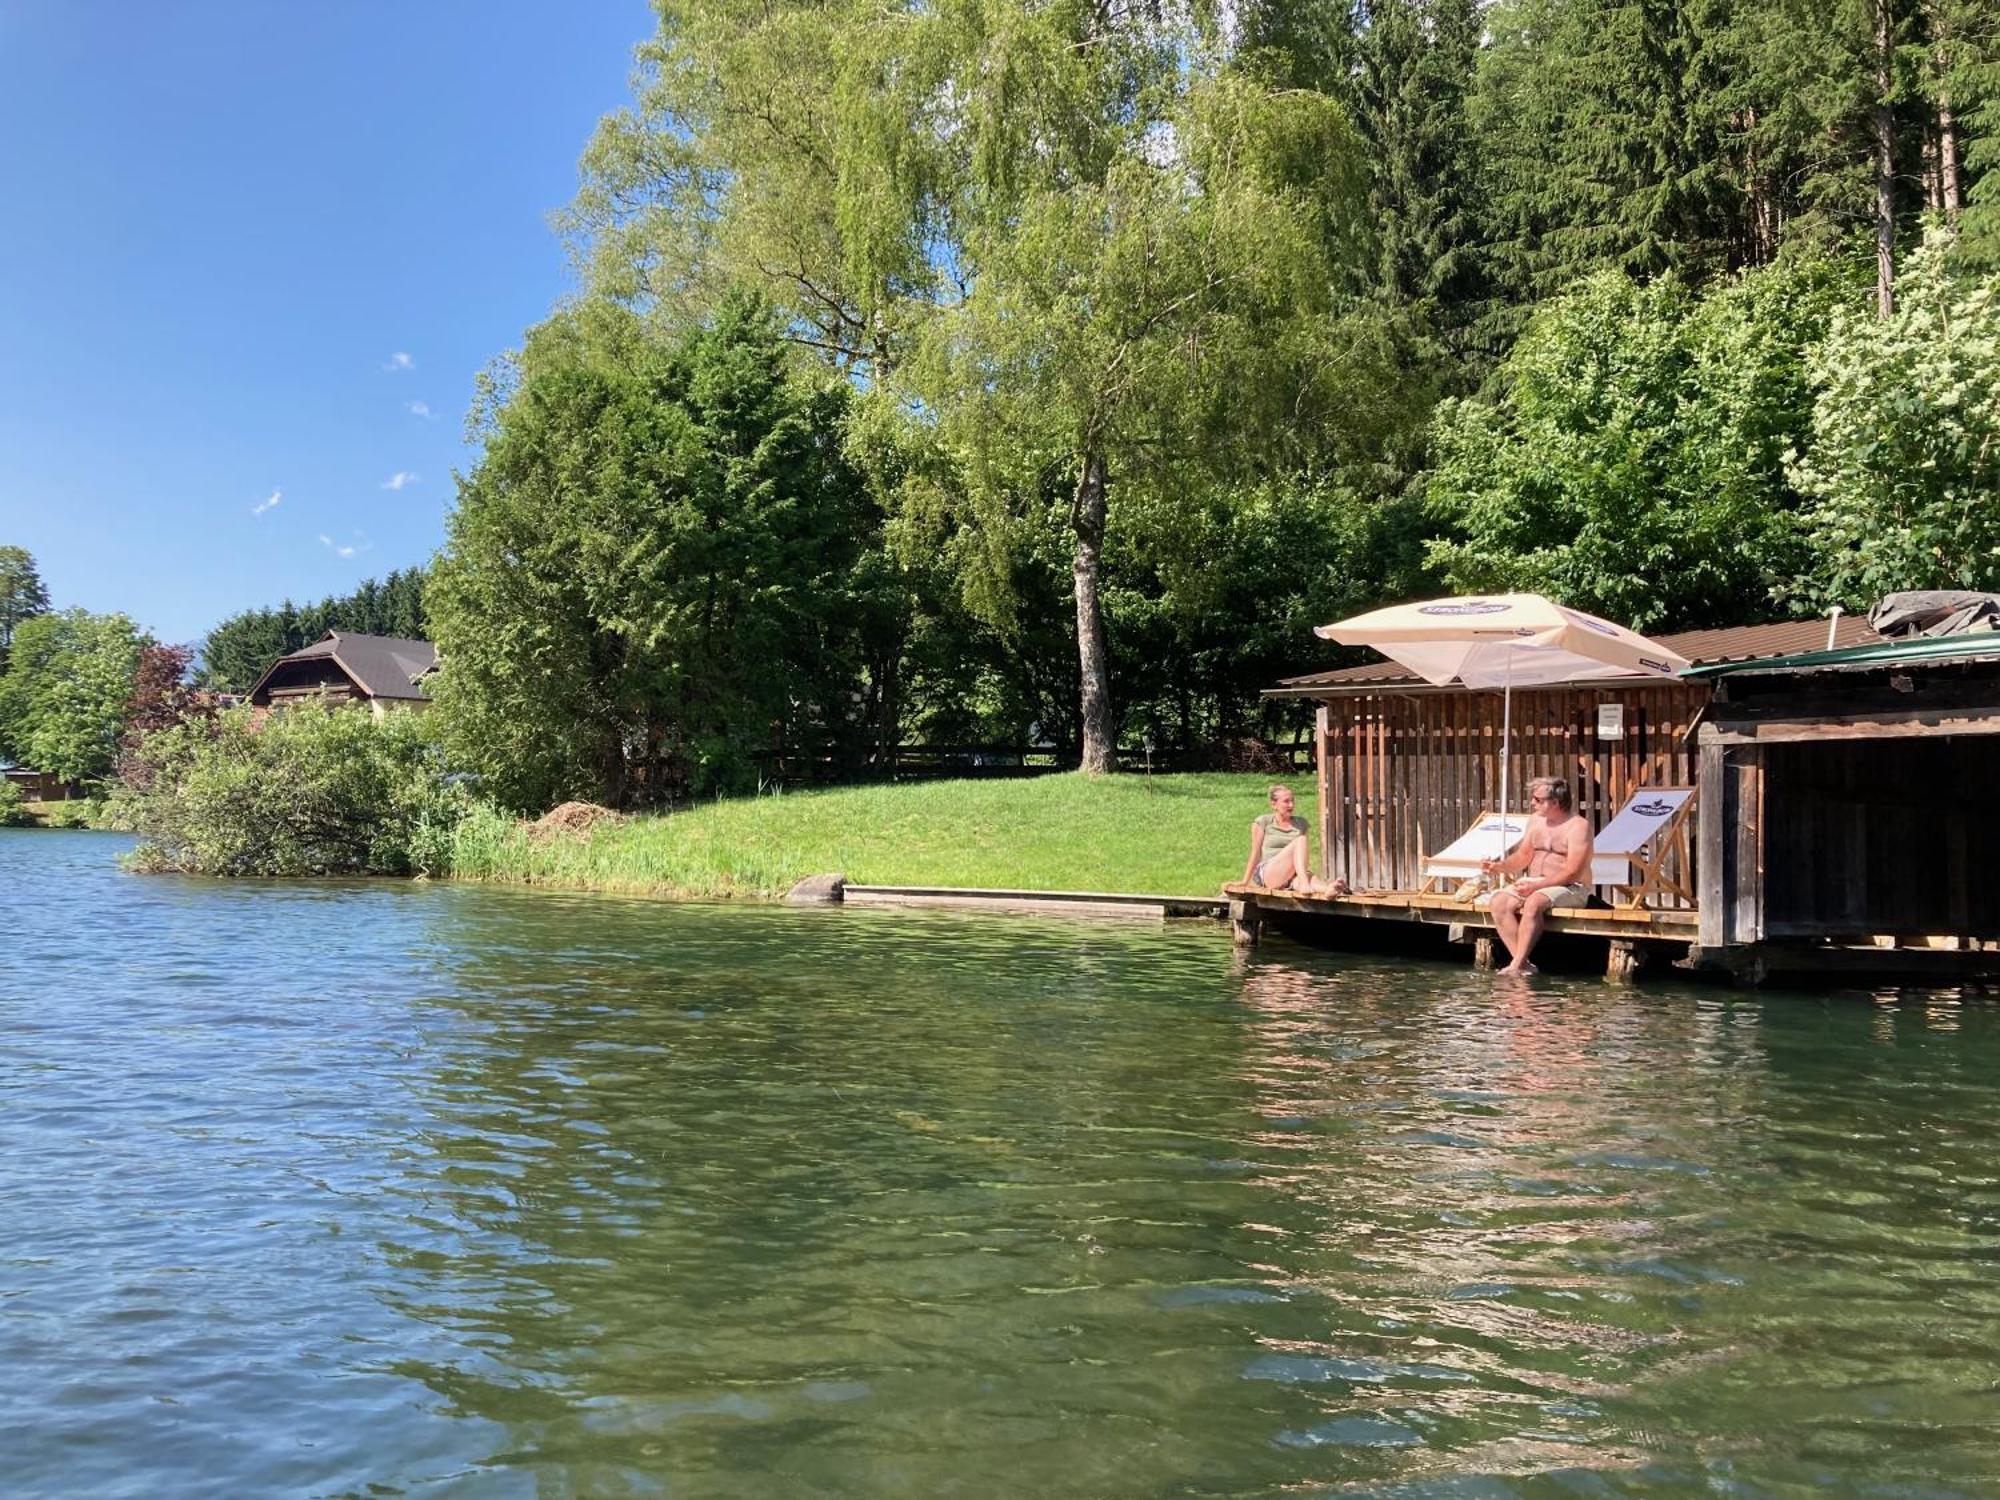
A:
[381,666]
[1705,648]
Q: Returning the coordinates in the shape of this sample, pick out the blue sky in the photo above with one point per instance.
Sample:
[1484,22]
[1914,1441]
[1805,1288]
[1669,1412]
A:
[252,249]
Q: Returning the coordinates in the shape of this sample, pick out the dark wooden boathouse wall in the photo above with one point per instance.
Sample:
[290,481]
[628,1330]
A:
[1882,836]
[1853,800]
[1403,772]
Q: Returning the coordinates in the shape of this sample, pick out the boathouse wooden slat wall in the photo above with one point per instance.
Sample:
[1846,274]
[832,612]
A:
[1876,836]
[1402,773]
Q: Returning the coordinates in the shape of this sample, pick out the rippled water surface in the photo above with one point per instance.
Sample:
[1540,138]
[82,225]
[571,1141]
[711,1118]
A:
[400,1189]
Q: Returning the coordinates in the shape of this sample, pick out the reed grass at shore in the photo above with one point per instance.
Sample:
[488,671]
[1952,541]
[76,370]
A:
[1164,835]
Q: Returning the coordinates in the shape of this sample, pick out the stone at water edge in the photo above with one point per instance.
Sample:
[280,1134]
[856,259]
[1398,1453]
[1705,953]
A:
[817,890]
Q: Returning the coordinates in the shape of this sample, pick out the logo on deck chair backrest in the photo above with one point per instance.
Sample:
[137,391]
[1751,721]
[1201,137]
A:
[1472,607]
[1653,809]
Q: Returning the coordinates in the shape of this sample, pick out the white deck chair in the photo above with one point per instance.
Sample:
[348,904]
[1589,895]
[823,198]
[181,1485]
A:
[1489,837]
[1630,852]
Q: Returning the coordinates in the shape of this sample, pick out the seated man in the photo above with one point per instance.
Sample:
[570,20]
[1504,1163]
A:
[1554,855]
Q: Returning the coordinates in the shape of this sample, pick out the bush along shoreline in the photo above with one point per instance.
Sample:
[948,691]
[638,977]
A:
[315,790]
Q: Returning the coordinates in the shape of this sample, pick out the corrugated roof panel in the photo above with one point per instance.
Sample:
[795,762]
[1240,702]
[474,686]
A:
[1973,646]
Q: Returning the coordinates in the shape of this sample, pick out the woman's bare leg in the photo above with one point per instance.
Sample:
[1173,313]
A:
[1287,871]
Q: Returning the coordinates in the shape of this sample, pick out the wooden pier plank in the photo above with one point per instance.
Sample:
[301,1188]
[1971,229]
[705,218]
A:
[1624,923]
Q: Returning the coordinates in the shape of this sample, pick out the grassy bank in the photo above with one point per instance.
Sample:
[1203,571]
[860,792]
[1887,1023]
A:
[1167,835]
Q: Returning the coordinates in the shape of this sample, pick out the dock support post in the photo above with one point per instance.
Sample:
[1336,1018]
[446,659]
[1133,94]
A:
[1243,923]
[1484,951]
[1623,963]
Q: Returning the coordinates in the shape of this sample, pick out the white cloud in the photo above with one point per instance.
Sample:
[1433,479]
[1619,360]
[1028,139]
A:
[420,409]
[397,480]
[263,505]
[400,361]
[344,549]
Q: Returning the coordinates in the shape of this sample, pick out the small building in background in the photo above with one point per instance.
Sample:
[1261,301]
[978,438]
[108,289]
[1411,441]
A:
[381,671]
[40,786]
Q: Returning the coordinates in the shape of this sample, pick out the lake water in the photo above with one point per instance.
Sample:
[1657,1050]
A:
[400,1189]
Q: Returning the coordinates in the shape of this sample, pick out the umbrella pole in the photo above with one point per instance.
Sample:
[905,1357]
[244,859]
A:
[1506,743]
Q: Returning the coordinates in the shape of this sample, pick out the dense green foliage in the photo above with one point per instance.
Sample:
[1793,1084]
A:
[13,806]
[311,791]
[1903,462]
[662,569]
[1698,136]
[64,694]
[22,595]
[239,648]
[1166,835]
[1634,461]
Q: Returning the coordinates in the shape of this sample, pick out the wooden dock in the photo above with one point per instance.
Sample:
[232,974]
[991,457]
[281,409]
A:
[1062,903]
[1626,929]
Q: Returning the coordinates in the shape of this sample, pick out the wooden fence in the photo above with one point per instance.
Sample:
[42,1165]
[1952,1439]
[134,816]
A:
[941,762]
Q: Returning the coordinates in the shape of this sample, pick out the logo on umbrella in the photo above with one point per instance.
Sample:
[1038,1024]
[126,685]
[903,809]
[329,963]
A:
[1591,622]
[1470,607]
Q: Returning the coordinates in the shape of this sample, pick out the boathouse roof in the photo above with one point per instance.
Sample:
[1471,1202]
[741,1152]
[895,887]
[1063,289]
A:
[1971,646]
[1731,646]
[380,666]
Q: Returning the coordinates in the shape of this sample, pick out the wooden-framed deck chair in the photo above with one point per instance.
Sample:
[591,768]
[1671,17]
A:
[1489,837]
[1631,851]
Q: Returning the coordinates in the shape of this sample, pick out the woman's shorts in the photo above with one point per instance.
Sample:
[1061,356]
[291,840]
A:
[1264,871]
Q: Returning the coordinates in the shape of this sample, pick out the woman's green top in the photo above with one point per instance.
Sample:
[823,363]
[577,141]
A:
[1277,840]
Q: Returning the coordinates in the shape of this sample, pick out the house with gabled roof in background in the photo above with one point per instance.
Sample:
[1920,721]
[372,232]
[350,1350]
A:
[381,671]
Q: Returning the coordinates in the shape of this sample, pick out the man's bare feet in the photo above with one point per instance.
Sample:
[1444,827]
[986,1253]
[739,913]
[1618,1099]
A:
[1521,971]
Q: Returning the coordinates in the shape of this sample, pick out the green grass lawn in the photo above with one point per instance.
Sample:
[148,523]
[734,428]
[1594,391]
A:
[1163,835]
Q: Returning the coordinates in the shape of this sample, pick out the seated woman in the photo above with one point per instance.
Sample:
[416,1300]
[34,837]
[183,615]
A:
[1280,853]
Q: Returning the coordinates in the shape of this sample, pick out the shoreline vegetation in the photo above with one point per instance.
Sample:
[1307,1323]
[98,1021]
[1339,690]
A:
[1178,835]
[328,791]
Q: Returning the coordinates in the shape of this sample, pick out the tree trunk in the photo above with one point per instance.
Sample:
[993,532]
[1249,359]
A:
[1885,167]
[889,710]
[1762,232]
[1093,652]
[1953,193]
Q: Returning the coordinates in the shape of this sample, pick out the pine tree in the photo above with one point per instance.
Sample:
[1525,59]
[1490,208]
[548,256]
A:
[1414,69]
[1598,118]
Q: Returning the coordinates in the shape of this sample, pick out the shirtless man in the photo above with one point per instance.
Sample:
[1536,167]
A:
[1554,855]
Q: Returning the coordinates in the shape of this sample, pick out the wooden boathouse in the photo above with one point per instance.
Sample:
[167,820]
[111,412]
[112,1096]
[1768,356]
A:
[1404,768]
[1850,815]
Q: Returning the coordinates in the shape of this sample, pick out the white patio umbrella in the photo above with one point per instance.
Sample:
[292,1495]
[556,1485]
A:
[1499,640]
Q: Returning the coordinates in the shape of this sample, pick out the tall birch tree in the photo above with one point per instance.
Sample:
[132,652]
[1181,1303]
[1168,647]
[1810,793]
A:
[1084,255]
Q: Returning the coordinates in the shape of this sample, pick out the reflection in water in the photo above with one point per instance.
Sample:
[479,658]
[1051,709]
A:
[358,1189]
